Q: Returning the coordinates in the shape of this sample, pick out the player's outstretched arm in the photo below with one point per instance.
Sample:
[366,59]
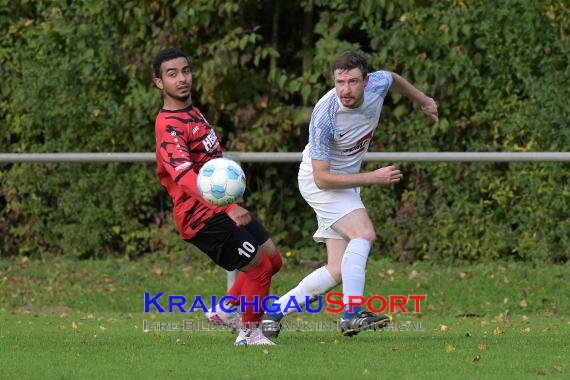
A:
[402,86]
[327,180]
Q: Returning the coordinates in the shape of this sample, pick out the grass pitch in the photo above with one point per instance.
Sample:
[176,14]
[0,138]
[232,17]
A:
[83,319]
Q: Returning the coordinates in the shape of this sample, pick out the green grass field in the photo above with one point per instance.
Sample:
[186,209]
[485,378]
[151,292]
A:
[83,319]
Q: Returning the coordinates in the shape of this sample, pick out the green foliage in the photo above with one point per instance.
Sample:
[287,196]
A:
[497,74]
[76,77]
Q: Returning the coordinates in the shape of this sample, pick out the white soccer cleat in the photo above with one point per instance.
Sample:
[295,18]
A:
[220,317]
[252,337]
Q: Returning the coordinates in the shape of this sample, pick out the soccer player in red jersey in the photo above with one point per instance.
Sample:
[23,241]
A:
[185,141]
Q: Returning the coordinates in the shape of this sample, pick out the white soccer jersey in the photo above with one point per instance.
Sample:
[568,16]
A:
[341,135]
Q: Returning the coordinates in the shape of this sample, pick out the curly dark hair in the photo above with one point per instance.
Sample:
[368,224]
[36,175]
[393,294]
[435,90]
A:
[164,56]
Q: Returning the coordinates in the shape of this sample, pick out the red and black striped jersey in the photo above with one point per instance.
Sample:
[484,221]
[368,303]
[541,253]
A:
[184,143]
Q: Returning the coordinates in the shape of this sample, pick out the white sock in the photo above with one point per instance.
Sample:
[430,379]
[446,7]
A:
[353,268]
[316,283]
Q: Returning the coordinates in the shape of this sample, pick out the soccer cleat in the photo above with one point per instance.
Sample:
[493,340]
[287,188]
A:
[220,317]
[363,321]
[252,337]
[270,325]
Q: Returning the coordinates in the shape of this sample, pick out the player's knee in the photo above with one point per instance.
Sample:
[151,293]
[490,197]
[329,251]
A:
[269,247]
[273,253]
[366,234]
[263,267]
[260,274]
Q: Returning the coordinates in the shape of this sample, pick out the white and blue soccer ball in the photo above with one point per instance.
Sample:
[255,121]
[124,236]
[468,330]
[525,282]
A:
[221,181]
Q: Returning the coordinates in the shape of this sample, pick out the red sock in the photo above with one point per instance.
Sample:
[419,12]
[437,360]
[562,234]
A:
[256,283]
[235,290]
[276,261]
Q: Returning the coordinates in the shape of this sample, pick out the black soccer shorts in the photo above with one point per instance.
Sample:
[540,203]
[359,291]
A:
[228,245]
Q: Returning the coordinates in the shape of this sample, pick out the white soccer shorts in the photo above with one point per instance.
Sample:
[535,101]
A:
[329,205]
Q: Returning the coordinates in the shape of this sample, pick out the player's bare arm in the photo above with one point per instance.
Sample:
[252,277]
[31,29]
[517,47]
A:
[402,86]
[240,216]
[326,180]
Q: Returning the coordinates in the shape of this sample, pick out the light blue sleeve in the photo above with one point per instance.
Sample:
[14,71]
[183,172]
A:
[321,129]
[379,82]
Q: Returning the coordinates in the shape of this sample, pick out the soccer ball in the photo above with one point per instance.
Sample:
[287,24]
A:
[221,181]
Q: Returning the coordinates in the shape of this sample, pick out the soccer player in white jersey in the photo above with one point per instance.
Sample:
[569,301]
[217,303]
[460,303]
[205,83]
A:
[341,128]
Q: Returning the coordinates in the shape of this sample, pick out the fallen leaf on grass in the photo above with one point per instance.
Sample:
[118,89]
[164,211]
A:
[74,325]
[482,346]
[502,317]
[497,331]
[415,274]
[547,330]
[523,303]
[557,368]
[443,327]
[463,274]
[450,348]
[527,330]
[266,352]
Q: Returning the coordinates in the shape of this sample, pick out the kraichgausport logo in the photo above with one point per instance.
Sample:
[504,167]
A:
[334,300]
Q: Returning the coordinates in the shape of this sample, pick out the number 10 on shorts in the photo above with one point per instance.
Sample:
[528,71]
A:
[247,249]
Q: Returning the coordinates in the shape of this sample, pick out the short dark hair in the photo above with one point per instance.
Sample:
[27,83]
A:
[164,56]
[352,59]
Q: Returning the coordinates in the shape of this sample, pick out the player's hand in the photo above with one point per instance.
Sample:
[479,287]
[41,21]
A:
[429,106]
[240,216]
[386,175]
